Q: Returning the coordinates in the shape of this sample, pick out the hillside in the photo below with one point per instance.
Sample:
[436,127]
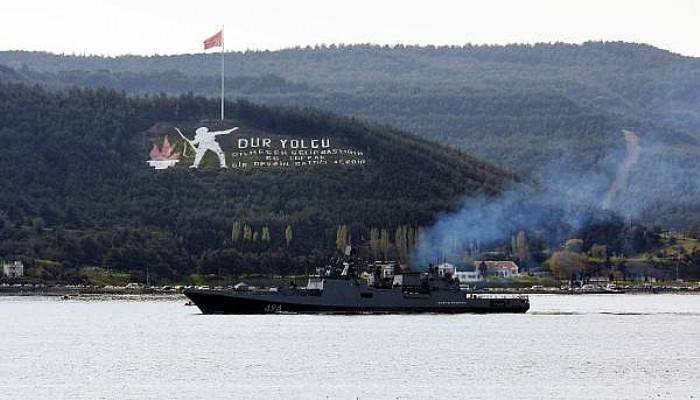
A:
[77,189]
[537,110]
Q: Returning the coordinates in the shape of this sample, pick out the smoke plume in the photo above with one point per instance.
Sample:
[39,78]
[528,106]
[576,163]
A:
[636,180]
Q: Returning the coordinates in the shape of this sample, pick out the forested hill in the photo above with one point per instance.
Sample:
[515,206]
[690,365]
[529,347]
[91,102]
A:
[529,109]
[76,187]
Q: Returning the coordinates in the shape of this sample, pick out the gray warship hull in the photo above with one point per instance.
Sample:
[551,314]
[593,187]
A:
[346,297]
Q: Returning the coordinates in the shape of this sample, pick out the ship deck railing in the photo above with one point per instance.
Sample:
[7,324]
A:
[498,296]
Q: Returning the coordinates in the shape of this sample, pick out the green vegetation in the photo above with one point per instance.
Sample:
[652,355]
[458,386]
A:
[529,109]
[102,277]
[666,256]
[76,189]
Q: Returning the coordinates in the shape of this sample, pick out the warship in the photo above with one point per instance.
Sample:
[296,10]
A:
[382,288]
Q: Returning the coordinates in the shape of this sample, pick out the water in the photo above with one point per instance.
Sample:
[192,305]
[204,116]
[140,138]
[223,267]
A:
[588,347]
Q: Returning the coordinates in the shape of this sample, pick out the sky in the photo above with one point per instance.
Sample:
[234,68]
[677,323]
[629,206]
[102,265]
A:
[146,27]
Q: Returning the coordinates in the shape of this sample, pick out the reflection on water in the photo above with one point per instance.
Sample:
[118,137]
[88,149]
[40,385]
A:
[597,346]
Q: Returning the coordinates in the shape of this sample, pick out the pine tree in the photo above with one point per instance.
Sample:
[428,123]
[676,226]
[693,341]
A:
[247,233]
[289,234]
[236,231]
[384,242]
[401,242]
[341,237]
[411,238]
[522,252]
[374,242]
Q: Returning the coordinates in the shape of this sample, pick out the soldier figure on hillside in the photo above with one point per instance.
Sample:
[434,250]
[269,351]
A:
[205,140]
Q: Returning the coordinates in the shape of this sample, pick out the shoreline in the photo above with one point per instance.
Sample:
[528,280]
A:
[171,292]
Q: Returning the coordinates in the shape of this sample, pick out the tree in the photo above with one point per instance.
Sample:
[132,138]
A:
[374,242]
[289,234]
[564,264]
[266,234]
[411,238]
[236,231]
[574,245]
[341,237]
[401,242]
[38,224]
[247,233]
[384,243]
[599,251]
[483,269]
[521,250]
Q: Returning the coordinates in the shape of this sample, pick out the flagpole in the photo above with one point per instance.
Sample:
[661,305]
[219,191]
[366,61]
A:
[222,72]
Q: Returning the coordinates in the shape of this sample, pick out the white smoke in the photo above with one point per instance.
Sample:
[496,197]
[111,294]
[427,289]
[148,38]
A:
[651,173]
[620,181]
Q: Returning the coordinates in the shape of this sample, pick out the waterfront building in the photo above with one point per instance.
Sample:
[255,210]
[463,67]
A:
[446,269]
[468,276]
[14,269]
[501,269]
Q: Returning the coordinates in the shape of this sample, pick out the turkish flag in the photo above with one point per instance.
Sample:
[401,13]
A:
[215,41]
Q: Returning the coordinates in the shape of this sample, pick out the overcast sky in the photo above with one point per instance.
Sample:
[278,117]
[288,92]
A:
[113,27]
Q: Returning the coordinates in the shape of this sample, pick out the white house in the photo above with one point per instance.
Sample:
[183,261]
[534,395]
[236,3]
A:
[13,269]
[446,269]
[468,276]
[503,269]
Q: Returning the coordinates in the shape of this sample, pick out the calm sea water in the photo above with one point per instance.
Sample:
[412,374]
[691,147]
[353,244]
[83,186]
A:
[588,347]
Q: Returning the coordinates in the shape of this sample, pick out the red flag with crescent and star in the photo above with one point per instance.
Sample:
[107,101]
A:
[215,41]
